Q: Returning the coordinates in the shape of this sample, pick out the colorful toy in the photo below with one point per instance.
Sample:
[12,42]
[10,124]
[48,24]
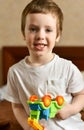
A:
[44,108]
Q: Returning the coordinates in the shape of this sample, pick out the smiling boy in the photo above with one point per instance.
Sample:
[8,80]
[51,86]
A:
[43,71]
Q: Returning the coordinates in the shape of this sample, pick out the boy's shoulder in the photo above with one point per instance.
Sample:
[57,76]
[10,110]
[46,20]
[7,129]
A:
[63,60]
[19,64]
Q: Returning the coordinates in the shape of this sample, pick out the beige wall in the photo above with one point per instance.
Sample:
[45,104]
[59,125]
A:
[10,14]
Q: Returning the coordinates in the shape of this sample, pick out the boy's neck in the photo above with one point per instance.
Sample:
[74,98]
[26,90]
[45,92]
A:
[38,61]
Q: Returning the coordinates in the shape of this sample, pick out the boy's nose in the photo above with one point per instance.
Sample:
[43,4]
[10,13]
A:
[40,35]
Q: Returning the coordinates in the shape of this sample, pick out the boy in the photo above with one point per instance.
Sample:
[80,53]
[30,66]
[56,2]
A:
[44,72]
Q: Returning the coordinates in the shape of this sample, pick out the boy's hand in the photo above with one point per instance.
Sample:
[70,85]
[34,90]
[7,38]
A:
[65,112]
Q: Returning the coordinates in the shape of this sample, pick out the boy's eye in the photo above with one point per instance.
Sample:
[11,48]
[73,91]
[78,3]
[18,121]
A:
[48,30]
[32,29]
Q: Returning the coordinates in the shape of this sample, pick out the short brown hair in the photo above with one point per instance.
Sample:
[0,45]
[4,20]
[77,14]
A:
[42,6]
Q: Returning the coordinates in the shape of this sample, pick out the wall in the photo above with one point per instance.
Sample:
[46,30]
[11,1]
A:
[10,14]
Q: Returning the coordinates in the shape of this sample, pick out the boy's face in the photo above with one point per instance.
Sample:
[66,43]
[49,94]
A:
[40,33]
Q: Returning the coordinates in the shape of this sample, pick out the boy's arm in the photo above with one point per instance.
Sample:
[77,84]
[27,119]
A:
[75,107]
[20,115]
[78,101]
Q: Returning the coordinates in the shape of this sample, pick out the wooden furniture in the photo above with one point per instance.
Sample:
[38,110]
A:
[7,118]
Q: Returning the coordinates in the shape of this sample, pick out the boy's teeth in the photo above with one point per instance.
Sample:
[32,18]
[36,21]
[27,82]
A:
[39,46]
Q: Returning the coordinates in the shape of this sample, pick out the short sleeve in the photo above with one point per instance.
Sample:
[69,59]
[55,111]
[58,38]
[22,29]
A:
[12,92]
[76,82]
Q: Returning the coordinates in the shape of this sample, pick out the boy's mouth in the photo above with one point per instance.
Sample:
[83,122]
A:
[39,46]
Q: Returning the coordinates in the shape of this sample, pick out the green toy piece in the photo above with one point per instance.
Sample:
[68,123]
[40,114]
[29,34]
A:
[44,108]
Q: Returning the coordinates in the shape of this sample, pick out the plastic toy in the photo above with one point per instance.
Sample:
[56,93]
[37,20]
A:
[43,108]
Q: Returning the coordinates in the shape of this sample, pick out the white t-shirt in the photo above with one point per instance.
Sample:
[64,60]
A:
[58,77]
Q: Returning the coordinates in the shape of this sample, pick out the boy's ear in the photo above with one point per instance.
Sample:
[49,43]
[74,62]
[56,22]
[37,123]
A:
[57,38]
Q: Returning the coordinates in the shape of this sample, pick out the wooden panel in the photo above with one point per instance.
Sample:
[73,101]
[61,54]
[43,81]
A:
[12,54]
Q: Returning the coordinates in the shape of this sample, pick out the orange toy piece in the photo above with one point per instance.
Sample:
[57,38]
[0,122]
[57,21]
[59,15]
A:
[60,100]
[34,124]
[33,98]
[46,100]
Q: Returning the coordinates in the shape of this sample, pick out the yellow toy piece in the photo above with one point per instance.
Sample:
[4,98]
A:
[34,124]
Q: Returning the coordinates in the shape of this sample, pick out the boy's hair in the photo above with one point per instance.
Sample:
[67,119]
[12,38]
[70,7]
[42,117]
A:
[42,6]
